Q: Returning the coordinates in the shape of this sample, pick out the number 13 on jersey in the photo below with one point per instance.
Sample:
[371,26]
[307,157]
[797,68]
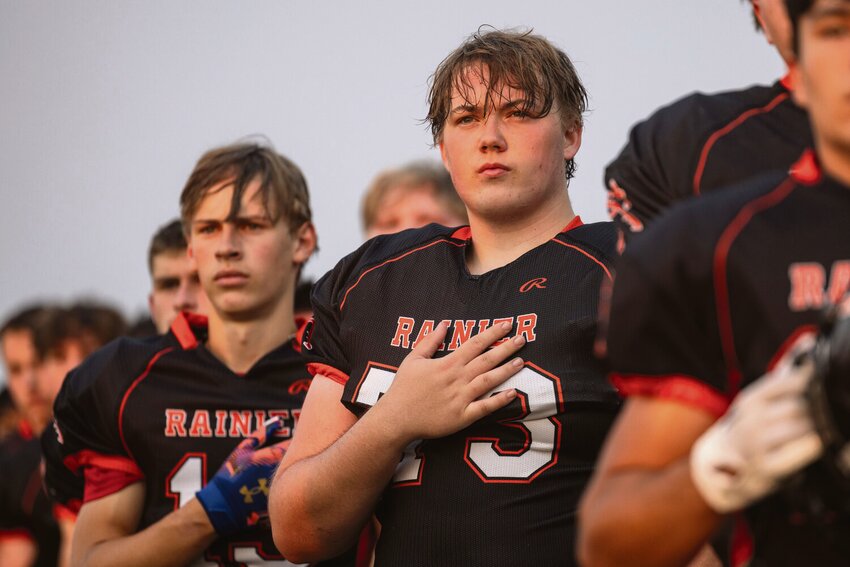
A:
[539,396]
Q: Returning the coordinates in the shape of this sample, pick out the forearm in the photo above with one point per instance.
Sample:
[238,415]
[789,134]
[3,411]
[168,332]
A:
[622,521]
[177,539]
[320,504]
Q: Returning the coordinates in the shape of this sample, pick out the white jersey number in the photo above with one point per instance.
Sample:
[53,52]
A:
[184,481]
[540,396]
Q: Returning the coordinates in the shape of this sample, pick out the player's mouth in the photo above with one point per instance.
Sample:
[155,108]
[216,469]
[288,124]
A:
[492,170]
[228,278]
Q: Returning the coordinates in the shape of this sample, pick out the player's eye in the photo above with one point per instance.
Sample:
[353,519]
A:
[205,228]
[251,226]
[167,284]
[464,119]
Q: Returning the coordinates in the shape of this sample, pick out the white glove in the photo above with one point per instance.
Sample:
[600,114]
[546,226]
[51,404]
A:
[766,436]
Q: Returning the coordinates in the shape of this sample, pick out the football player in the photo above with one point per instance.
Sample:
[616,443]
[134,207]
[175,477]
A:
[706,142]
[710,323]
[467,455]
[161,428]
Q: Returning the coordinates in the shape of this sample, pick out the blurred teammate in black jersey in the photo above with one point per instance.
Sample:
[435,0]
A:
[29,535]
[706,142]
[153,423]
[467,455]
[711,308]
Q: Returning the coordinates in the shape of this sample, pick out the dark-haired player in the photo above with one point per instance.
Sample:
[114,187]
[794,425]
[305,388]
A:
[29,535]
[149,423]
[400,420]
[710,310]
[174,280]
[706,142]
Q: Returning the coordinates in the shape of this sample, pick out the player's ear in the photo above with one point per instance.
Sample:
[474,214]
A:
[572,141]
[798,85]
[304,242]
[444,157]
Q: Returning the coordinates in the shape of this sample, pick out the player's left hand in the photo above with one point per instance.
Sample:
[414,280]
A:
[237,496]
[767,435]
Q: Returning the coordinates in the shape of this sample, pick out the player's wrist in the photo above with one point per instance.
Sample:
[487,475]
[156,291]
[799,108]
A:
[218,510]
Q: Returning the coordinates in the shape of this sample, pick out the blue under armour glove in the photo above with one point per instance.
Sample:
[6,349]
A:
[237,496]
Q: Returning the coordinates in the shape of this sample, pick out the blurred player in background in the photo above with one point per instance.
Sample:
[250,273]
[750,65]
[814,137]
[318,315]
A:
[411,196]
[174,279]
[29,535]
[712,316]
[706,142]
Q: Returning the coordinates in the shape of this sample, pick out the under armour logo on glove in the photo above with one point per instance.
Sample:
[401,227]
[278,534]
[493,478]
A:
[249,493]
[228,501]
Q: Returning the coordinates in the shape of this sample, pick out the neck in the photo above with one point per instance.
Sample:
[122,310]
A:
[239,344]
[496,243]
[835,161]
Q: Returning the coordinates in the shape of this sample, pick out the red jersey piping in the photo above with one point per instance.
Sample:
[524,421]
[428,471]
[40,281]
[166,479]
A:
[681,388]
[327,371]
[132,387]
[574,247]
[743,117]
[391,260]
[721,290]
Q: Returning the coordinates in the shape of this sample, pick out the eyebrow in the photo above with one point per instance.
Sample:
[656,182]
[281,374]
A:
[238,218]
[840,8]
[468,107]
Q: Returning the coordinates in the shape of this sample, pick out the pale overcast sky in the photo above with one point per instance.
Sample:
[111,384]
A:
[106,105]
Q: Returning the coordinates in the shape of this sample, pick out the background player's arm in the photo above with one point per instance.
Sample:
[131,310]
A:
[104,534]
[642,492]
[337,467]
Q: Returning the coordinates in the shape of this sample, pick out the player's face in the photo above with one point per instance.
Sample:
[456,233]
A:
[821,78]
[247,265]
[21,366]
[774,20]
[410,207]
[176,288]
[504,163]
[51,372]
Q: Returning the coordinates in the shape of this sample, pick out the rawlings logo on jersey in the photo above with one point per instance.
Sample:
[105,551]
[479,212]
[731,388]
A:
[409,331]
[225,423]
[810,288]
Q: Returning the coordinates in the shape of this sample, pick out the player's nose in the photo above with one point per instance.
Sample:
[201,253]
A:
[492,138]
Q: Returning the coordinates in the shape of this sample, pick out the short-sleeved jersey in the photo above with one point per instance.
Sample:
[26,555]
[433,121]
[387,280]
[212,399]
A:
[505,490]
[25,511]
[167,412]
[710,298]
[702,143]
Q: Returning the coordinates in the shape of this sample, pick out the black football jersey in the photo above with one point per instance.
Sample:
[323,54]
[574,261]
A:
[25,510]
[709,299]
[505,490]
[166,411]
[702,143]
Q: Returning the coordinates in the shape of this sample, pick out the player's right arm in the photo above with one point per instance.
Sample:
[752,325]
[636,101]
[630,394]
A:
[105,533]
[642,492]
[337,467]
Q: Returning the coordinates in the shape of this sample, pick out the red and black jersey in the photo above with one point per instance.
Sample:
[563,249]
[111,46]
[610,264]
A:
[708,300]
[702,143]
[167,412]
[25,511]
[505,490]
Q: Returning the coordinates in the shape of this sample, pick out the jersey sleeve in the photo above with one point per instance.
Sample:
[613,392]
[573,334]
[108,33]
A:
[86,437]
[655,168]
[321,341]
[662,338]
